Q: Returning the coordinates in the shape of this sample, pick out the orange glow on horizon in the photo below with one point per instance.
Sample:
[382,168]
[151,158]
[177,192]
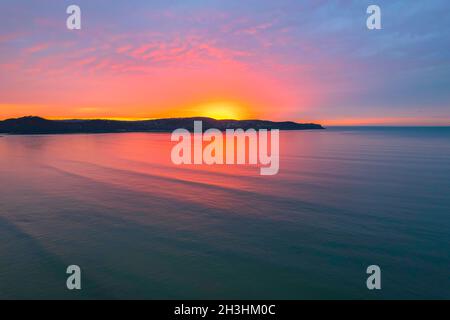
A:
[220,110]
[216,109]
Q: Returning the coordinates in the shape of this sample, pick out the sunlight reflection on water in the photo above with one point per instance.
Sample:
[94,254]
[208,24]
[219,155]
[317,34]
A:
[141,227]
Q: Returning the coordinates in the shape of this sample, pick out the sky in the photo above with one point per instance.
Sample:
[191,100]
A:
[306,61]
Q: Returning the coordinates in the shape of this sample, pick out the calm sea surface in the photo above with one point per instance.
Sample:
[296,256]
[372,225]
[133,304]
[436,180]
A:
[140,227]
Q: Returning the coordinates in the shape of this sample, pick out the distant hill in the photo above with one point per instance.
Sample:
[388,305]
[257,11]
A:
[37,125]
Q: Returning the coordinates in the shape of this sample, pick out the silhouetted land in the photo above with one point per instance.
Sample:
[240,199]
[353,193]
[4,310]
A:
[37,125]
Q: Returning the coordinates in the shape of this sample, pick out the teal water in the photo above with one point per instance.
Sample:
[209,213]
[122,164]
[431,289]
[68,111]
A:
[140,227]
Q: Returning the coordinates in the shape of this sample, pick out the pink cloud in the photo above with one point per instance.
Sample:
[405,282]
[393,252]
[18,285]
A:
[37,48]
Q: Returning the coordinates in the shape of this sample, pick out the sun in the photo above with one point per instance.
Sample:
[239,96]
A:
[223,110]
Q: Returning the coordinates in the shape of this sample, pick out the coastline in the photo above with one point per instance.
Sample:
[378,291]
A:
[37,125]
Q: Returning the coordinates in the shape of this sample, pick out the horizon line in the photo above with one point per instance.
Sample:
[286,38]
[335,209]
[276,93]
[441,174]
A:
[323,123]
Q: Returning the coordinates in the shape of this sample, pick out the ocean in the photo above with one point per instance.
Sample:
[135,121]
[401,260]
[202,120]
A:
[141,227]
